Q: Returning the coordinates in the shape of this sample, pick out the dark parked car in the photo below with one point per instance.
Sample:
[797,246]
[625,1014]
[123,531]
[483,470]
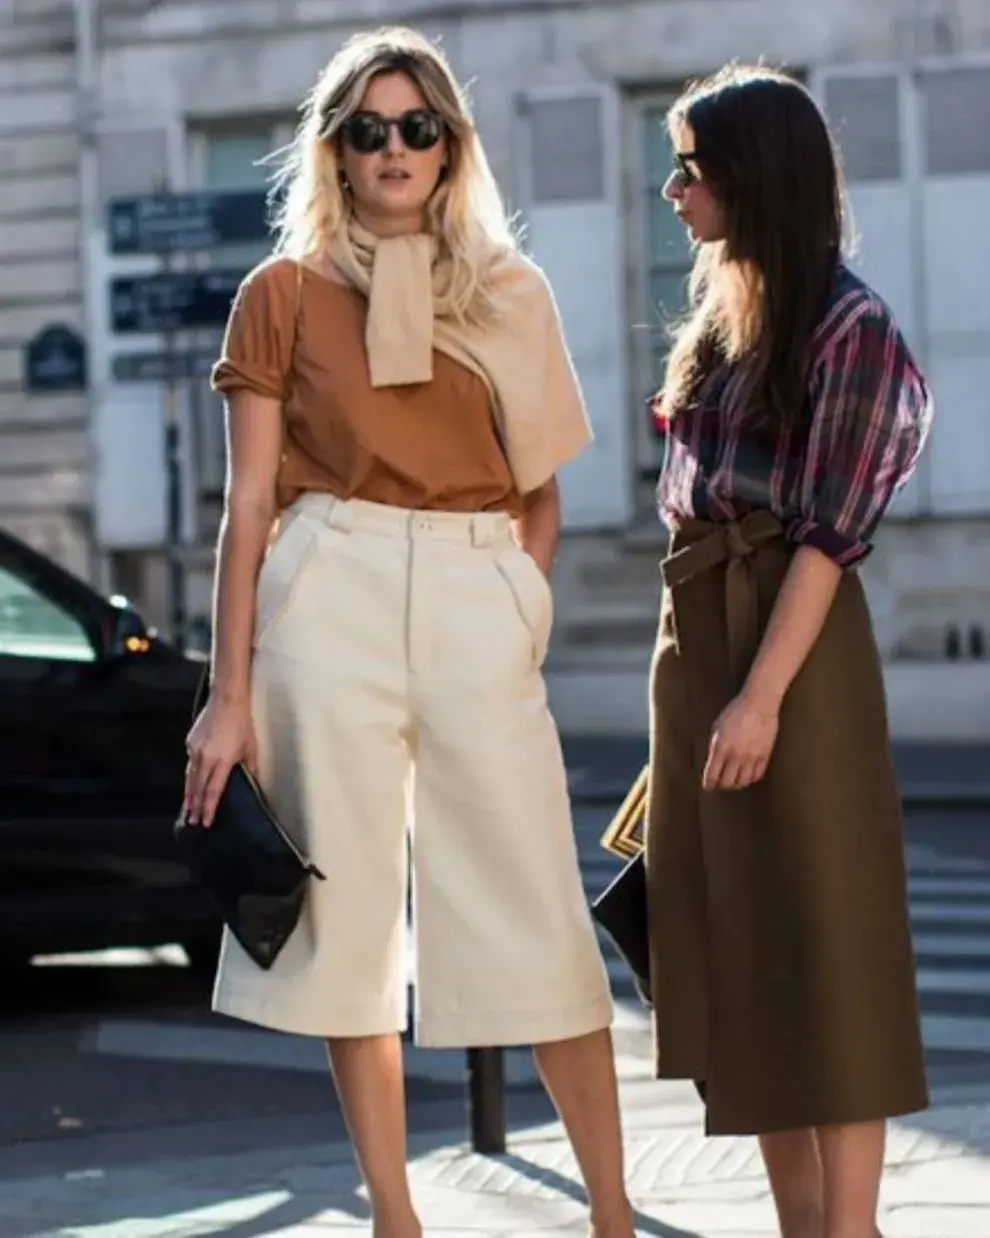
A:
[94,709]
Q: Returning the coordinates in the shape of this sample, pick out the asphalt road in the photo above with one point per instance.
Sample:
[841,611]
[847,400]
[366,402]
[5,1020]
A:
[116,1058]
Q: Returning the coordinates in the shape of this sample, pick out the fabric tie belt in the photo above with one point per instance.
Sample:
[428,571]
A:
[731,544]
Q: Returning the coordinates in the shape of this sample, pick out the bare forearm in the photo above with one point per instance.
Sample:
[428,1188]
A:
[538,528]
[797,619]
[243,537]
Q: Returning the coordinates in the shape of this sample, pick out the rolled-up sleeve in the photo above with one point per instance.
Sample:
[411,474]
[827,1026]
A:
[258,341]
[870,414]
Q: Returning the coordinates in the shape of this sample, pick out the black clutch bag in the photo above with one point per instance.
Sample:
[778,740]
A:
[621,911]
[254,871]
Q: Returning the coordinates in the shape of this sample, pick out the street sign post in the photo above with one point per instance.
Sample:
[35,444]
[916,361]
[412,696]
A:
[170,301]
[166,222]
[486,1095]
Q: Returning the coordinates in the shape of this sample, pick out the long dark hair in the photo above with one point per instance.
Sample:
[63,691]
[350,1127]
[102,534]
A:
[765,152]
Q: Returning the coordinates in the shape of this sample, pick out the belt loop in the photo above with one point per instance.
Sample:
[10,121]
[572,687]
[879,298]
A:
[482,530]
[339,515]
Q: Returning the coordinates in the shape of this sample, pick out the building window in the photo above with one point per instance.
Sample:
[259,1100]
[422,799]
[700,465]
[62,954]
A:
[864,112]
[234,161]
[660,281]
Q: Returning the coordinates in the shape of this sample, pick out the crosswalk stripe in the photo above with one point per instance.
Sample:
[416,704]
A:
[944,913]
[922,857]
[956,1033]
[940,886]
[953,945]
[969,982]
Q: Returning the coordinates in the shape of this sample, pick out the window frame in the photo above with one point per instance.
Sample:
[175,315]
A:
[647,447]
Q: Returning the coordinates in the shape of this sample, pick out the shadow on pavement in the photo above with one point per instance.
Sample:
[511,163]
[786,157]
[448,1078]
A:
[567,1187]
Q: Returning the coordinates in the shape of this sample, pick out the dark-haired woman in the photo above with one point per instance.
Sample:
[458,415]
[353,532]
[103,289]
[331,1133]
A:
[781,963]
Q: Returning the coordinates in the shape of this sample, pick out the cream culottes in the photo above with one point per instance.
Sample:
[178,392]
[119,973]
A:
[397,683]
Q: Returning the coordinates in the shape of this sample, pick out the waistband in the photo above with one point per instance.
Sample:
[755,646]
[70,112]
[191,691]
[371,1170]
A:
[700,546]
[469,528]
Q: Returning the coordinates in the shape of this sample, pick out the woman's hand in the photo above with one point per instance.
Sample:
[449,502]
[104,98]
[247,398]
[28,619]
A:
[537,529]
[222,735]
[741,744]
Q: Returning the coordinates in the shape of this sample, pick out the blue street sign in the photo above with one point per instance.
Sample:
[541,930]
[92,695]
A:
[55,360]
[163,222]
[172,301]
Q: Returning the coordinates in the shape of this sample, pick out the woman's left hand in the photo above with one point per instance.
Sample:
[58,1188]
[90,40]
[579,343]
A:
[741,744]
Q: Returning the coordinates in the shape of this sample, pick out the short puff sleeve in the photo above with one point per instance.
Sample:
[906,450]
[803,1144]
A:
[871,411]
[259,338]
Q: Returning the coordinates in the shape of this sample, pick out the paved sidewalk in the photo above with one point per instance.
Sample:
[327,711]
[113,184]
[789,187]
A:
[937,1184]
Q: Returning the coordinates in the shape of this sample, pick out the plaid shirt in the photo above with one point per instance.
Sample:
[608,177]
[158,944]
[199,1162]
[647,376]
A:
[870,413]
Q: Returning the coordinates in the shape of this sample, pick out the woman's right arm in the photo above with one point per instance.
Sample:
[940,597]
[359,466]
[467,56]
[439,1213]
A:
[253,375]
[224,734]
[254,444]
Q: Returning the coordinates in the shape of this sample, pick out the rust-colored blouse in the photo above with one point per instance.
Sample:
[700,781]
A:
[296,335]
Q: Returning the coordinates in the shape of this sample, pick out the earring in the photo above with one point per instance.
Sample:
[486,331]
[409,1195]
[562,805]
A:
[345,184]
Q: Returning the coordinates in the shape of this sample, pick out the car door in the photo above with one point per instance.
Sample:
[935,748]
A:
[47,771]
[90,743]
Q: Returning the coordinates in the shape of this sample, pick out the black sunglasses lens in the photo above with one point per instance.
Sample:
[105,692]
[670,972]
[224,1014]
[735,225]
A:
[685,173]
[366,132]
[420,129]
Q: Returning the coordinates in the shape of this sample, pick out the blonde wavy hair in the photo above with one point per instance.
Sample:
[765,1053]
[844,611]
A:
[466,214]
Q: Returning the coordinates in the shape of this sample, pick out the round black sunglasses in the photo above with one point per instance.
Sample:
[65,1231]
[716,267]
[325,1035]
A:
[367,132]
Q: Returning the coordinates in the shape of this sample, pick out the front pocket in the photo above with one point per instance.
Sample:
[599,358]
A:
[532,595]
[281,570]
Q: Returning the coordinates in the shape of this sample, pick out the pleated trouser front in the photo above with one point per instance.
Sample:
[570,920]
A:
[397,680]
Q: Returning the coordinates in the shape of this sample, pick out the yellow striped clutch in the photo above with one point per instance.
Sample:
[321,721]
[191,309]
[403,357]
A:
[624,836]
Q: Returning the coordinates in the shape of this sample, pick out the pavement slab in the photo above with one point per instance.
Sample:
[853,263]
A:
[937,1185]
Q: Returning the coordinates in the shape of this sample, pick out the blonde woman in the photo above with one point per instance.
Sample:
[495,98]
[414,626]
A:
[399,398]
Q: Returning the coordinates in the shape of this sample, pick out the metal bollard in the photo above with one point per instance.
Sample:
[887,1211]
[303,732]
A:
[486,1084]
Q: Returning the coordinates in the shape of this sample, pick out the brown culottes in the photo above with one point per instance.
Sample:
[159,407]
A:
[782,970]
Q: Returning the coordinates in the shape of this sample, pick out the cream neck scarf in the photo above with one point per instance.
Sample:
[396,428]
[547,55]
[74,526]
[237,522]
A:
[395,273]
[521,357]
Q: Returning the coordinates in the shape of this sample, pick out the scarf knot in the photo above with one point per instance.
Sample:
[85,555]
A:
[396,274]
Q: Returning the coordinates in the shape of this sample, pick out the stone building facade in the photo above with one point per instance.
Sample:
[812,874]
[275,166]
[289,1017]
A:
[107,98]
